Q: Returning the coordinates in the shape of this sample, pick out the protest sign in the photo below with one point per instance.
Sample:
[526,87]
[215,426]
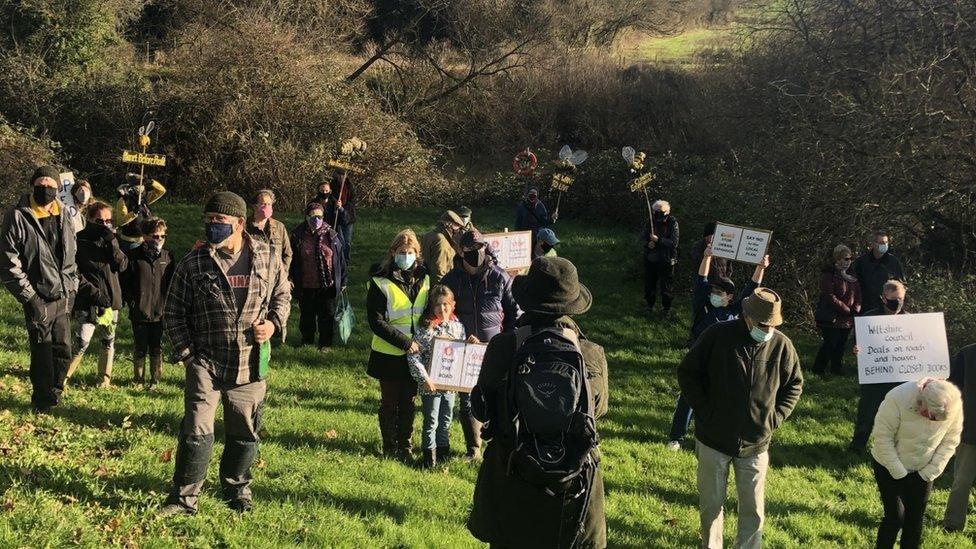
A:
[740,243]
[641,182]
[65,186]
[347,166]
[514,250]
[561,182]
[899,348]
[455,365]
[146,159]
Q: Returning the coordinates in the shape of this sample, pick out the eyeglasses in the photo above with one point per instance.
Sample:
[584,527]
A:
[101,221]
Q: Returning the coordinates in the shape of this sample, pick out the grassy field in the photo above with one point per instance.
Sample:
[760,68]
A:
[93,473]
[678,50]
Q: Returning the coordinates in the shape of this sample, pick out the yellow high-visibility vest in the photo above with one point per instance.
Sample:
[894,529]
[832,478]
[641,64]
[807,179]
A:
[403,314]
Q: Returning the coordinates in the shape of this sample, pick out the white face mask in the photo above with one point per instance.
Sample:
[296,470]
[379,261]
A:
[759,335]
[882,248]
[716,300]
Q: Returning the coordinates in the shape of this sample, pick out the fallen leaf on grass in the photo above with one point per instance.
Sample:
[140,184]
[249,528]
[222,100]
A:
[69,499]
[331,434]
[7,505]
[101,471]
[6,450]
[261,463]
[167,455]
[111,525]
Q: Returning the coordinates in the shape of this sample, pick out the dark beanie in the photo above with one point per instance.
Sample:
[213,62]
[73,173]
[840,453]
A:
[226,203]
[46,171]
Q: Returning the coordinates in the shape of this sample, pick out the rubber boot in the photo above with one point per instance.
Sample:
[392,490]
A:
[235,472]
[430,459]
[471,428]
[388,432]
[73,365]
[138,369]
[192,457]
[404,434]
[155,369]
[105,362]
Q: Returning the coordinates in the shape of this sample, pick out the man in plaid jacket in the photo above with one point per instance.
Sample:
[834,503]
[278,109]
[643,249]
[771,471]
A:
[226,300]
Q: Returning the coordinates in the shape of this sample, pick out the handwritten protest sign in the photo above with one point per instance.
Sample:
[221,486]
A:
[66,185]
[455,365]
[146,159]
[899,348]
[740,243]
[514,250]
[561,182]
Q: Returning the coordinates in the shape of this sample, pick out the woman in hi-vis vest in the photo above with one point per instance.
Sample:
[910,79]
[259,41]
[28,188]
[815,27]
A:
[395,301]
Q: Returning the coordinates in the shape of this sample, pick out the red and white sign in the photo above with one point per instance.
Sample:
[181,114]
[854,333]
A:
[514,250]
[455,365]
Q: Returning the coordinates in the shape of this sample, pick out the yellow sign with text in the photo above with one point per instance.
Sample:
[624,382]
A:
[147,159]
[561,182]
[641,182]
[340,165]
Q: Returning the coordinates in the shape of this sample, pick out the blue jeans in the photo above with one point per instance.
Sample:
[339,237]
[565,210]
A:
[438,411]
[345,231]
[681,419]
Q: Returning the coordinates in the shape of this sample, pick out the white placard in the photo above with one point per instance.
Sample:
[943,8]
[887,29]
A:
[455,365]
[65,187]
[514,250]
[740,243]
[900,348]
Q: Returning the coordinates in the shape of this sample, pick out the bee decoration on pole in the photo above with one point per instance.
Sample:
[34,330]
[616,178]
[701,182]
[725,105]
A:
[635,161]
[562,173]
[348,159]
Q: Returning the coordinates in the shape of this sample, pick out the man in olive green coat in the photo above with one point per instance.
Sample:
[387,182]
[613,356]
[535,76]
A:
[440,246]
[507,510]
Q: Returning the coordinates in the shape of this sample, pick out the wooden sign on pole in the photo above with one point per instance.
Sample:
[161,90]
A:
[145,159]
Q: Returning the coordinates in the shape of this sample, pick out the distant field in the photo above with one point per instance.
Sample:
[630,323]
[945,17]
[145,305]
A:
[680,49]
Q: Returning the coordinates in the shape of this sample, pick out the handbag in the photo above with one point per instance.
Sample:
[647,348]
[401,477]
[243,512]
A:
[345,318]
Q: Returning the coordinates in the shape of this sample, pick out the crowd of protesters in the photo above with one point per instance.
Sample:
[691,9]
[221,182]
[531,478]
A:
[223,303]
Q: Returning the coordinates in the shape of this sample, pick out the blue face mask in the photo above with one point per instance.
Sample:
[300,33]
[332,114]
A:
[759,335]
[219,232]
[882,249]
[315,222]
[716,300]
[405,261]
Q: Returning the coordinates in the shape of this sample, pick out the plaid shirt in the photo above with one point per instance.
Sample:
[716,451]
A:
[201,314]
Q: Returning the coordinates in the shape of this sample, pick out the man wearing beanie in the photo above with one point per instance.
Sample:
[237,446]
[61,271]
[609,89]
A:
[742,379]
[226,300]
[37,265]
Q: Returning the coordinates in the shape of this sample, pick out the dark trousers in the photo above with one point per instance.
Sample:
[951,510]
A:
[681,419]
[147,339]
[470,426]
[831,350]
[658,273]
[397,409]
[904,502]
[345,231]
[872,395]
[49,332]
[317,307]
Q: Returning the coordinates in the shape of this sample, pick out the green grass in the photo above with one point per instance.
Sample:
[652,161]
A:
[680,49]
[93,473]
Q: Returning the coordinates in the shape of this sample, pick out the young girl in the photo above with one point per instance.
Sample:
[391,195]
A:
[438,321]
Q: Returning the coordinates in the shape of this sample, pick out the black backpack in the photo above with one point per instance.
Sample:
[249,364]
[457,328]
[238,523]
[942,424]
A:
[551,409]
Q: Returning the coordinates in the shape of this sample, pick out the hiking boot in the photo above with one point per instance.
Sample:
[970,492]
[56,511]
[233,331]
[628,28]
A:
[443,453]
[241,505]
[105,383]
[429,460]
[139,369]
[674,445]
[155,369]
[171,509]
[473,454]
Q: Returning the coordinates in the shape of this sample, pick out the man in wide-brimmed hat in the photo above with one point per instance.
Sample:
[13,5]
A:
[508,510]
[742,379]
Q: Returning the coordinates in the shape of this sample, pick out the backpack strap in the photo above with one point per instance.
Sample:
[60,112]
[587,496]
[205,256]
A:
[521,335]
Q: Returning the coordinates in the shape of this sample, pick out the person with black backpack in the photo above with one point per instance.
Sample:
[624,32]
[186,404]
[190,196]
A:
[540,391]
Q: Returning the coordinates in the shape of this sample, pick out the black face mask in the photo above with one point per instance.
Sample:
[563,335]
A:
[893,304]
[324,196]
[475,258]
[44,195]
[660,216]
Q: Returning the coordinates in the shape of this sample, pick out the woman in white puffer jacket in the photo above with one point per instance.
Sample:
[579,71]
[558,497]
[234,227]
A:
[915,433]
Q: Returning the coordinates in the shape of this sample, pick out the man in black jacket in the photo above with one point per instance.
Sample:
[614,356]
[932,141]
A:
[874,268]
[660,248]
[483,294]
[100,260]
[742,379]
[144,286]
[37,265]
[962,368]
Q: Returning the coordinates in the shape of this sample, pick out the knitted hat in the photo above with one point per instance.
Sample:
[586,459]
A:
[226,203]
[764,307]
[46,171]
[552,287]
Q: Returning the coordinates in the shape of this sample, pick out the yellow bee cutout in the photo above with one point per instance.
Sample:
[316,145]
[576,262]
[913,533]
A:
[144,131]
[347,151]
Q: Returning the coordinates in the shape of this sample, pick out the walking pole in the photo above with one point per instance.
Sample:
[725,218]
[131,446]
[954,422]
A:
[650,212]
[558,199]
[342,189]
